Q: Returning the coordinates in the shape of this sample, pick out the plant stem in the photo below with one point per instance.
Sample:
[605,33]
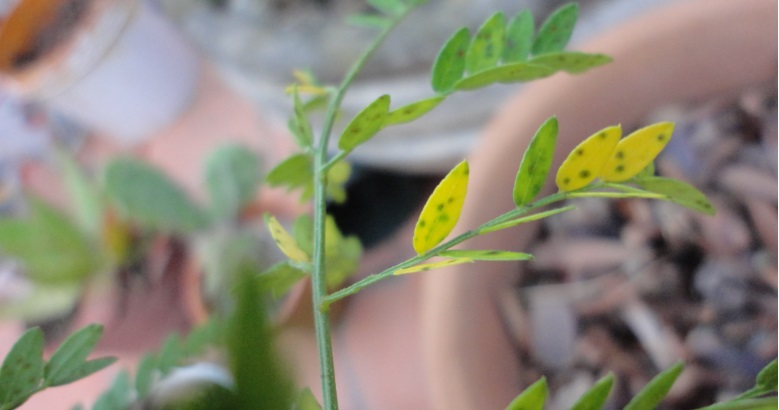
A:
[318,280]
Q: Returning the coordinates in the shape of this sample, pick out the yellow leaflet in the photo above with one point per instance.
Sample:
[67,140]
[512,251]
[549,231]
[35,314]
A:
[431,266]
[636,151]
[584,163]
[284,240]
[442,210]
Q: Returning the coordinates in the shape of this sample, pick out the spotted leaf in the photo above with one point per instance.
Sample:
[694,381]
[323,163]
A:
[584,163]
[487,255]
[431,266]
[410,112]
[449,66]
[510,73]
[442,210]
[486,48]
[573,62]
[556,30]
[519,38]
[636,151]
[284,240]
[365,124]
[525,219]
[536,163]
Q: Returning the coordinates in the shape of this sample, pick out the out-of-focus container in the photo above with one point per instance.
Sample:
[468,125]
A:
[113,65]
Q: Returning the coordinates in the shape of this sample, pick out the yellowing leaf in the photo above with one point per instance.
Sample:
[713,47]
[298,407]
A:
[584,163]
[636,151]
[431,266]
[442,210]
[284,240]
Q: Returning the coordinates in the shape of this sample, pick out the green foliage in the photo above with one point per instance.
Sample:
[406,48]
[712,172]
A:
[299,125]
[24,372]
[556,30]
[486,255]
[657,388]
[252,356]
[297,172]
[449,66]
[365,124]
[144,195]
[486,48]
[595,397]
[232,177]
[519,38]
[532,398]
[306,401]
[411,112]
[536,163]
[679,192]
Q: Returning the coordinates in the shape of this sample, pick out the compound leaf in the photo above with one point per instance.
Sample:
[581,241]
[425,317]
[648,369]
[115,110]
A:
[365,124]
[584,163]
[486,48]
[442,210]
[519,38]
[556,30]
[536,163]
[449,66]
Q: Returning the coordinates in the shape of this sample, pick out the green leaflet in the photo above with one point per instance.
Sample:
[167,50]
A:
[678,192]
[442,209]
[391,7]
[232,178]
[519,38]
[487,255]
[299,125]
[22,369]
[118,396]
[51,247]
[486,48]
[146,196]
[536,163]
[596,396]
[280,278]
[68,363]
[573,62]
[509,73]
[369,21]
[365,124]
[449,66]
[306,401]
[657,388]
[412,111]
[87,203]
[294,172]
[342,253]
[532,398]
[430,266]
[529,218]
[556,30]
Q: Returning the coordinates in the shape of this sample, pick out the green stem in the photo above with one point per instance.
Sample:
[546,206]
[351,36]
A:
[510,215]
[318,281]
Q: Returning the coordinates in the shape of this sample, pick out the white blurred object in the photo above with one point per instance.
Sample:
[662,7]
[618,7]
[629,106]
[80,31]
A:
[113,65]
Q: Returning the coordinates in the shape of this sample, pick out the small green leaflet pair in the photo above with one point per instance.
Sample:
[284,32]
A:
[24,372]
[502,52]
